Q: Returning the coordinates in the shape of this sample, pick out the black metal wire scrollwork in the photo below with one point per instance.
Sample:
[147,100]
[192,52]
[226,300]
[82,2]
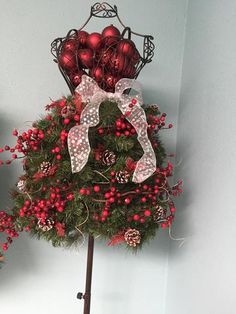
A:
[105,10]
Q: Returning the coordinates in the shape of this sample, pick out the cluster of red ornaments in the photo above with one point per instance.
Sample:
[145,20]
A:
[106,57]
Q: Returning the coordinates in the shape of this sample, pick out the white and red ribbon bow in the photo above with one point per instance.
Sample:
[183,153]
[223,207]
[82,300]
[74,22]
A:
[93,96]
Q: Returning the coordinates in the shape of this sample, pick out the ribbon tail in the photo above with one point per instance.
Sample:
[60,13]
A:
[145,167]
[79,147]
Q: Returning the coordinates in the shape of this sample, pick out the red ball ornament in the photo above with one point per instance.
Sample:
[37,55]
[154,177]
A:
[111,35]
[67,60]
[110,31]
[118,63]
[94,41]
[126,47]
[82,36]
[86,57]
[111,81]
[135,58]
[70,45]
[97,74]
[104,55]
[129,71]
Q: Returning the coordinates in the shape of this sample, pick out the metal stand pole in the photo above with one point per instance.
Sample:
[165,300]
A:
[87,295]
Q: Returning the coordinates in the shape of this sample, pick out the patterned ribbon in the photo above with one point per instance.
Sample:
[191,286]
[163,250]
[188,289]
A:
[93,96]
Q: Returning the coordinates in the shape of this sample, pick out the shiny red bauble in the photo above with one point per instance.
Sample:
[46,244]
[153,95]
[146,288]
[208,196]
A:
[86,57]
[126,47]
[82,37]
[111,35]
[135,58]
[70,45]
[97,73]
[110,31]
[118,63]
[104,56]
[111,81]
[94,41]
[67,60]
[129,71]
[76,77]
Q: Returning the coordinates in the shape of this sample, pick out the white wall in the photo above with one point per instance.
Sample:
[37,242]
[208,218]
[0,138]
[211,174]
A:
[202,272]
[38,278]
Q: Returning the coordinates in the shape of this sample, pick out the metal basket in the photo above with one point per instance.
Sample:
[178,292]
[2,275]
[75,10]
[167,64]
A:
[104,10]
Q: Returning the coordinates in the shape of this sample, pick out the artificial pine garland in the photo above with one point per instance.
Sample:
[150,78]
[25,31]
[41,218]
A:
[52,203]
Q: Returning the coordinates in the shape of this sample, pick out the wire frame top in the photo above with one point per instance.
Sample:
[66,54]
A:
[104,10]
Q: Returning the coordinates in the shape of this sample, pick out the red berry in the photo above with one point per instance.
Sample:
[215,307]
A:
[143,199]
[105,213]
[58,157]
[76,117]
[100,131]
[127,200]
[136,217]
[66,121]
[14,133]
[60,209]
[107,195]
[96,188]
[147,213]
[142,220]
[111,199]
[70,197]
[82,191]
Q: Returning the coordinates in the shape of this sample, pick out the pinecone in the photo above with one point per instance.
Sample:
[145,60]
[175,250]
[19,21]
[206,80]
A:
[45,167]
[68,111]
[122,176]
[45,225]
[108,158]
[132,237]
[154,107]
[21,185]
[160,214]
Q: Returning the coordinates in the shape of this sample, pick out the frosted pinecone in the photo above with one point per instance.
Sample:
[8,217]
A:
[160,214]
[45,167]
[132,237]
[108,158]
[122,176]
[21,185]
[45,225]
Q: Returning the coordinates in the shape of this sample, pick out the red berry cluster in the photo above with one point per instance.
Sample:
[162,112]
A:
[157,123]
[123,127]
[26,142]
[7,225]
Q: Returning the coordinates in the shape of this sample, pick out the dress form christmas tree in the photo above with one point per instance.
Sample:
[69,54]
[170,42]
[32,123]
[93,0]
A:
[94,164]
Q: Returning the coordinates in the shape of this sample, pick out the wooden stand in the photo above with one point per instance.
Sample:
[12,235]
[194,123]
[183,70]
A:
[87,295]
